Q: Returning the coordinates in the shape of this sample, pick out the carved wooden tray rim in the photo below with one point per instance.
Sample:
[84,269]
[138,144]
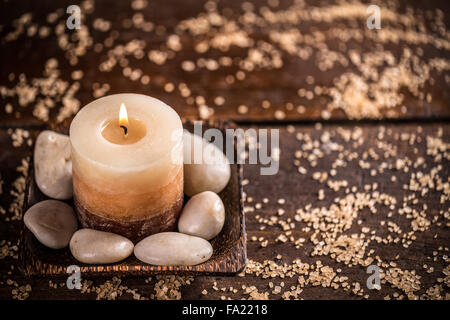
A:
[232,259]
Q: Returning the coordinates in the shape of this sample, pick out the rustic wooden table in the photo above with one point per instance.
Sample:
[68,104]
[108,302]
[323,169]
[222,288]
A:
[363,118]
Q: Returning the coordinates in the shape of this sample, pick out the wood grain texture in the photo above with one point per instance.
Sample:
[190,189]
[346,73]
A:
[278,86]
[298,191]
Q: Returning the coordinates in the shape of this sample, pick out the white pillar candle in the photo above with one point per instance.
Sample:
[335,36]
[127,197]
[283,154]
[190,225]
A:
[128,183]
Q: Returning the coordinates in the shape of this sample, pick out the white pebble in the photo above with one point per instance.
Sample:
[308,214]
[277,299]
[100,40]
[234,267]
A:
[52,165]
[93,246]
[52,222]
[173,248]
[206,168]
[203,216]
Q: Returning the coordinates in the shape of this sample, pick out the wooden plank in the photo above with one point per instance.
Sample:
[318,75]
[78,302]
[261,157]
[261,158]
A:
[422,91]
[429,141]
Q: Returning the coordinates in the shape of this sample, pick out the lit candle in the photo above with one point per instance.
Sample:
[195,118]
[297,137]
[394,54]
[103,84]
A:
[116,130]
[127,165]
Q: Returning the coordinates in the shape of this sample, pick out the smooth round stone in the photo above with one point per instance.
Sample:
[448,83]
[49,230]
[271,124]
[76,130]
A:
[52,222]
[212,174]
[173,249]
[93,246]
[52,165]
[203,216]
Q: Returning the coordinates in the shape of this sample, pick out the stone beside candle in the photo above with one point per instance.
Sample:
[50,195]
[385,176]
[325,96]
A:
[203,216]
[52,222]
[52,165]
[98,247]
[212,174]
[172,249]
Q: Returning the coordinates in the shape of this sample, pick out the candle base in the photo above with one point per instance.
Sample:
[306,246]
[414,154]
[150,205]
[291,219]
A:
[134,230]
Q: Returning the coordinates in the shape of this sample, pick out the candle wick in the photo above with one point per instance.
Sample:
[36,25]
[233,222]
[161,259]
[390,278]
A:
[125,130]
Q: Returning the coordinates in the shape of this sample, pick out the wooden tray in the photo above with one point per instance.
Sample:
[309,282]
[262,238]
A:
[229,255]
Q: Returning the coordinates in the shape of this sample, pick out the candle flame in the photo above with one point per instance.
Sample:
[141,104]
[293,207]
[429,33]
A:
[123,116]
